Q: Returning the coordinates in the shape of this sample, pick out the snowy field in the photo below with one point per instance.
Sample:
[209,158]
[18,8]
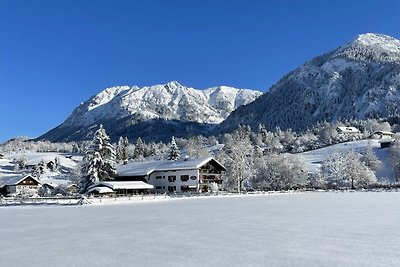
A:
[305,229]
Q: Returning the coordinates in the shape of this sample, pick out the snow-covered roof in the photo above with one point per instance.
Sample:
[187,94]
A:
[123,185]
[13,180]
[100,190]
[384,132]
[146,168]
[348,129]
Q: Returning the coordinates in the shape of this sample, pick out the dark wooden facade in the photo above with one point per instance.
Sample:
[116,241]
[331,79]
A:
[210,173]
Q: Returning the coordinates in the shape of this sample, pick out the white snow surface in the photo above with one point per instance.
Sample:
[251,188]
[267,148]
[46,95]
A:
[311,229]
[171,101]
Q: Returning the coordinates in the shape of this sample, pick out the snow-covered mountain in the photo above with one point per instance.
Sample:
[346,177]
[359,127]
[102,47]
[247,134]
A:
[154,112]
[358,80]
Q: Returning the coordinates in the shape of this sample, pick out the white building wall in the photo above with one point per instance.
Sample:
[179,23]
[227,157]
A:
[23,189]
[161,185]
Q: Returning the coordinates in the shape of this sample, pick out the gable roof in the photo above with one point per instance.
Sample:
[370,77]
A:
[14,180]
[348,129]
[122,185]
[146,168]
[384,132]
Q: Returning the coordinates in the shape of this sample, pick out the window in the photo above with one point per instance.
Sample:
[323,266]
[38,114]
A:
[184,188]
[185,178]
[172,178]
[193,177]
[159,187]
[171,188]
[158,177]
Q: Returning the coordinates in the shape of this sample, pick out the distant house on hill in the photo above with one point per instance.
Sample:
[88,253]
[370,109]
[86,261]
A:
[347,130]
[1,156]
[19,184]
[196,175]
[382,134]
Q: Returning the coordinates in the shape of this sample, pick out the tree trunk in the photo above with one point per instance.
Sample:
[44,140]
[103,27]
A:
[239,185]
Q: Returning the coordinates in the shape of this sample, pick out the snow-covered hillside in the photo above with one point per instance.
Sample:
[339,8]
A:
[168,102]
[359,80]
[61,176]
[313,159]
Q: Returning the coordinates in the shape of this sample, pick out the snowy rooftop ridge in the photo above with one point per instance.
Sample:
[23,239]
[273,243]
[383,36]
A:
[146,168]
[122,185]
[15,179]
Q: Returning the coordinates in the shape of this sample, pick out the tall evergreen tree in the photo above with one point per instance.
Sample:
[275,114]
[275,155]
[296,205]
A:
[98,162]
[174,153]
[140,148]
[122,150]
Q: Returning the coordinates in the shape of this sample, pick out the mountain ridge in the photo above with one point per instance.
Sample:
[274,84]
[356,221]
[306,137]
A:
[358,80]
[168,104]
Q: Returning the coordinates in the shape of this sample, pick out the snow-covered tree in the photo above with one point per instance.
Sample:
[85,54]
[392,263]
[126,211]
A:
[346,171]
[140,149]
[278,172]
[38,169]
[394,158]
[20,164]
[195,149]
[237,157]
[173,153]
[122,150]
[371,160]
[99,161]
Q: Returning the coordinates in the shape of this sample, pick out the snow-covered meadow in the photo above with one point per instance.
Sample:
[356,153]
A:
[304,229]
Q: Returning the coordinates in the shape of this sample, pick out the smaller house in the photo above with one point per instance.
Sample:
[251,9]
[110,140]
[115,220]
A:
[49,186]
[100,191]
[347,130]
[120,187]
[1,156]
[382,134]
[72,189]
[19,184]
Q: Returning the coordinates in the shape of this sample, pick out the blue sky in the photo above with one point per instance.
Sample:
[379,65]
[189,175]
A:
[56,54]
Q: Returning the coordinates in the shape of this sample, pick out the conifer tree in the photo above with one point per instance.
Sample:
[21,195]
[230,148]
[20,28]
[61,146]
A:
[98,162]
[122,150]
[140,148]
[174,153]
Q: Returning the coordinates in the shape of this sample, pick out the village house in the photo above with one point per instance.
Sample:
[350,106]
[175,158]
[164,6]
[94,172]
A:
[382,134]
[195,175]
[72,189]
[19,184]
[1,156]
[347,130]
[119,188]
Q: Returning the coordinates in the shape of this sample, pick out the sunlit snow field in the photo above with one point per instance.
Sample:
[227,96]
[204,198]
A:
[305,229]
